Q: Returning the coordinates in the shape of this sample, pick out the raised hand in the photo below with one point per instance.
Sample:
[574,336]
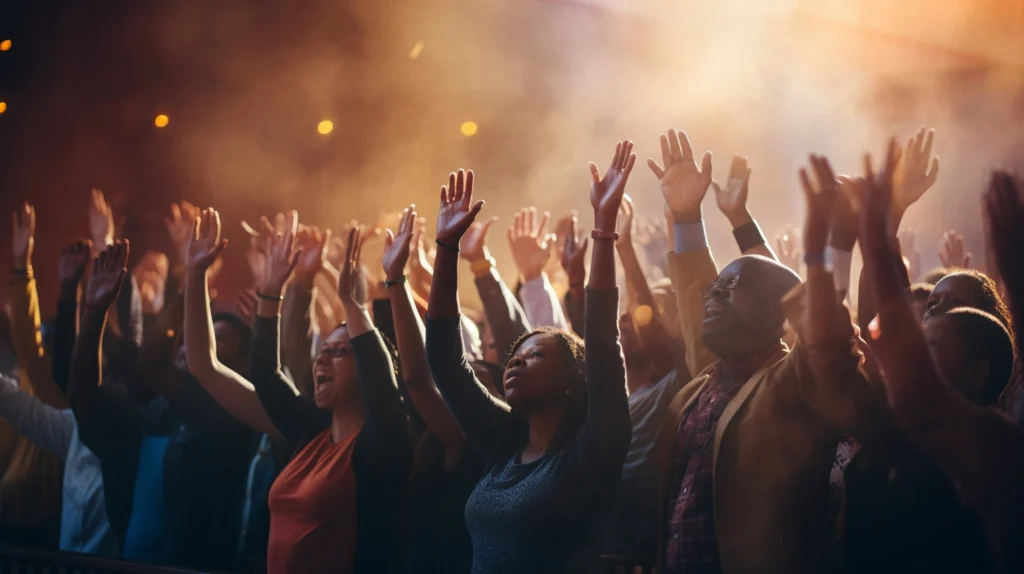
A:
[821,195]
[787,248]
[101,220]
[349,278]
[458,211]
[574,251]
[844,217]
[312,243]
[952,252]
[1003,207]
[179,225]
[246,305]
[74,258]
[474,242]
[206,244]
[624,225]
[281,258]
[397,247]
[531,247]
[682,184]
[732,199]
[606,192]
[915,174]
[876,203]
[108,273]
[23,235]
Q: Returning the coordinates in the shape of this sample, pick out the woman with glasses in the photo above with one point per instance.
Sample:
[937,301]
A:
[335,505]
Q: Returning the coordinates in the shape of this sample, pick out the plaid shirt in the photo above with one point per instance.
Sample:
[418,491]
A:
[692,546]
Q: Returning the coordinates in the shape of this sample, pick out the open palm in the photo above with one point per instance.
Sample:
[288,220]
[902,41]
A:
[458,211]
[474,242]
[311,244]
[205,244]
[733,197]
[917,172]
[397,247]
[108,273]
[23,231]
[682,184]
[73,260]
[606,192]
[531,247]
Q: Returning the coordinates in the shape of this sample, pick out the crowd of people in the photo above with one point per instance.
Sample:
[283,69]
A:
[660,413]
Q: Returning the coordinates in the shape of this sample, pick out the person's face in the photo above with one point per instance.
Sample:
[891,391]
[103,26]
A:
[334,371]
[229,346]
[536,372]
[734,312]
[953,291]
[919,305]
[951,357]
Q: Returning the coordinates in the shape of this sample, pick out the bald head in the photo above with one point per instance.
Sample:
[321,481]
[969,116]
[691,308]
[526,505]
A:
[742,308]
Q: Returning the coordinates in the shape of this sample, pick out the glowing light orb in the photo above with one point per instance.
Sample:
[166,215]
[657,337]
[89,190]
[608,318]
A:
[469,129]
[161,121]
[325,127]
[5,45]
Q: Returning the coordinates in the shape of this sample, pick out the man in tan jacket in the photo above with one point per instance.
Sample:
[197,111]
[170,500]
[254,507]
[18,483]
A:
[749,442]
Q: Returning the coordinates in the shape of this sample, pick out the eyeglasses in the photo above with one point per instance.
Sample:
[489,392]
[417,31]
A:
[729,284]
[336,350]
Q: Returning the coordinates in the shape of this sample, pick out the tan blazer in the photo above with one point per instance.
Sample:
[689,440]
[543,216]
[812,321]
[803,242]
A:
[774,444]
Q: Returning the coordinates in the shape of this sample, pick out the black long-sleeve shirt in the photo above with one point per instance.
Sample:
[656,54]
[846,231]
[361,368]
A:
[383,449]
[541,516]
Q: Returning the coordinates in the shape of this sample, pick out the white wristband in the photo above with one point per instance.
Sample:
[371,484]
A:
[690,237]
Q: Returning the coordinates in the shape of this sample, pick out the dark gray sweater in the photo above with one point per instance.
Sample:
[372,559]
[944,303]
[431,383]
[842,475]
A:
[543,516]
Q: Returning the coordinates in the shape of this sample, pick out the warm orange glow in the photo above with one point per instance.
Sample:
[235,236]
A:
[161,121]
[469,129]
[3,107]
[5,45]
[325,127]
[417,49]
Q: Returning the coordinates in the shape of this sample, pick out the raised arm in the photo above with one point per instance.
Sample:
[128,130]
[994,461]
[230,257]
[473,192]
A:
[655,340]
[409,333]
[73,260]
[385,415]
[101,415]
[691,266]
[606,430]
[732,202]
[232,391]
[483,419]
[294,416]
[837,388]
[978,449]
[295,312]
[574,251]
[47,426]
[507,319]
[531,249]
[26,334]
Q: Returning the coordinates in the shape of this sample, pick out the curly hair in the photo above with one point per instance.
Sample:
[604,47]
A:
[987,293]
[575,362]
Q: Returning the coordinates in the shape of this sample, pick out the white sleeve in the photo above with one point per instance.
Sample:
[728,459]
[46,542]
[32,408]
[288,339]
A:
[841,261]
[541,305]
[48,427]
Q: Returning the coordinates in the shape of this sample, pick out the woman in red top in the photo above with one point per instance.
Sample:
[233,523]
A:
[334,508]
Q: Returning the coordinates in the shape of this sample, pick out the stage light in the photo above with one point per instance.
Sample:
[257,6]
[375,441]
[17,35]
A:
[325,127]
[161,121]
[642,315]
[3,107]
[5,45]
[468,129]
[416,50]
